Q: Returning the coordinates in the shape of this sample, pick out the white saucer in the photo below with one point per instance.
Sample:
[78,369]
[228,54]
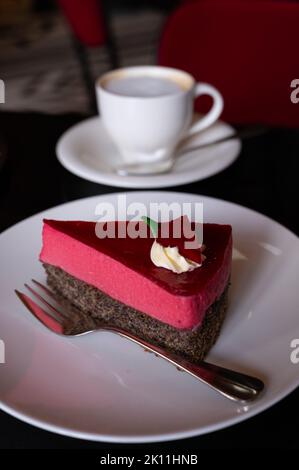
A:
[102,387]
[87,151]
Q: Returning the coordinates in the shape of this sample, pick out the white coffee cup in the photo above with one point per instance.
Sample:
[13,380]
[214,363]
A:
[146,123]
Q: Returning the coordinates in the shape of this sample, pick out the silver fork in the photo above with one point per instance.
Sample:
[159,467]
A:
[229,383]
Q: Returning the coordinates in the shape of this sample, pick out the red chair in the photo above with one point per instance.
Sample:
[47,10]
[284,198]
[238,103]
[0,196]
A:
[248,50]
[86,20]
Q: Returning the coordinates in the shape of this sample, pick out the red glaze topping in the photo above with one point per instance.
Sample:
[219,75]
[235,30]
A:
[135,253]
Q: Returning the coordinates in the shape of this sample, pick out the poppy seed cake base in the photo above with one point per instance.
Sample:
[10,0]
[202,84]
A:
[88,307]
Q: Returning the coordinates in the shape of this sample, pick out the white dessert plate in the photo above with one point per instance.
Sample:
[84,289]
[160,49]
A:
[87,151]
[102,387]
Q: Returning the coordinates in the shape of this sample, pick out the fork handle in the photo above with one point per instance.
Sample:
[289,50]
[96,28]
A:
[232,384]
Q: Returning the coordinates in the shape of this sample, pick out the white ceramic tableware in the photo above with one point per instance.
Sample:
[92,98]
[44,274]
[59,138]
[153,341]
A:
[104,388]
[87,151]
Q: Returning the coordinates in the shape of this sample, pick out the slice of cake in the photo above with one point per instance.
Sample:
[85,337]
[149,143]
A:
[156,288]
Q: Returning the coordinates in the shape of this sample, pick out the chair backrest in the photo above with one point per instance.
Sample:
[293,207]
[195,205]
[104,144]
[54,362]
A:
[86,20]
[248,50]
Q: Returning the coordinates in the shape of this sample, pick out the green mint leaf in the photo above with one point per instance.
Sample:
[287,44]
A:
[153,225]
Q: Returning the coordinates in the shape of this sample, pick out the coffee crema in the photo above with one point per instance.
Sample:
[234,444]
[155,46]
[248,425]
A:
[143,86]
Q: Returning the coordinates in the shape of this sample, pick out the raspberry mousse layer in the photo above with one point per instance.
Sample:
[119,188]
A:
[122,269]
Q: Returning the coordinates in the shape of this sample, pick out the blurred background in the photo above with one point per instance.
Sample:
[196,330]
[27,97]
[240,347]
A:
[50,51]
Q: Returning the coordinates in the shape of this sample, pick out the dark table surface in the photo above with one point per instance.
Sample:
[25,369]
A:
[264,178]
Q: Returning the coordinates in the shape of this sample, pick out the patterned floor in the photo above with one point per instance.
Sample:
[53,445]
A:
[40,68]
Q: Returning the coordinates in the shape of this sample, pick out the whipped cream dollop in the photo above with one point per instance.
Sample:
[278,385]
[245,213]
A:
[170,258]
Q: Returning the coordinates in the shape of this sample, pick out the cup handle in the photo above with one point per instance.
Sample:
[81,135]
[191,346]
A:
[213,114]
